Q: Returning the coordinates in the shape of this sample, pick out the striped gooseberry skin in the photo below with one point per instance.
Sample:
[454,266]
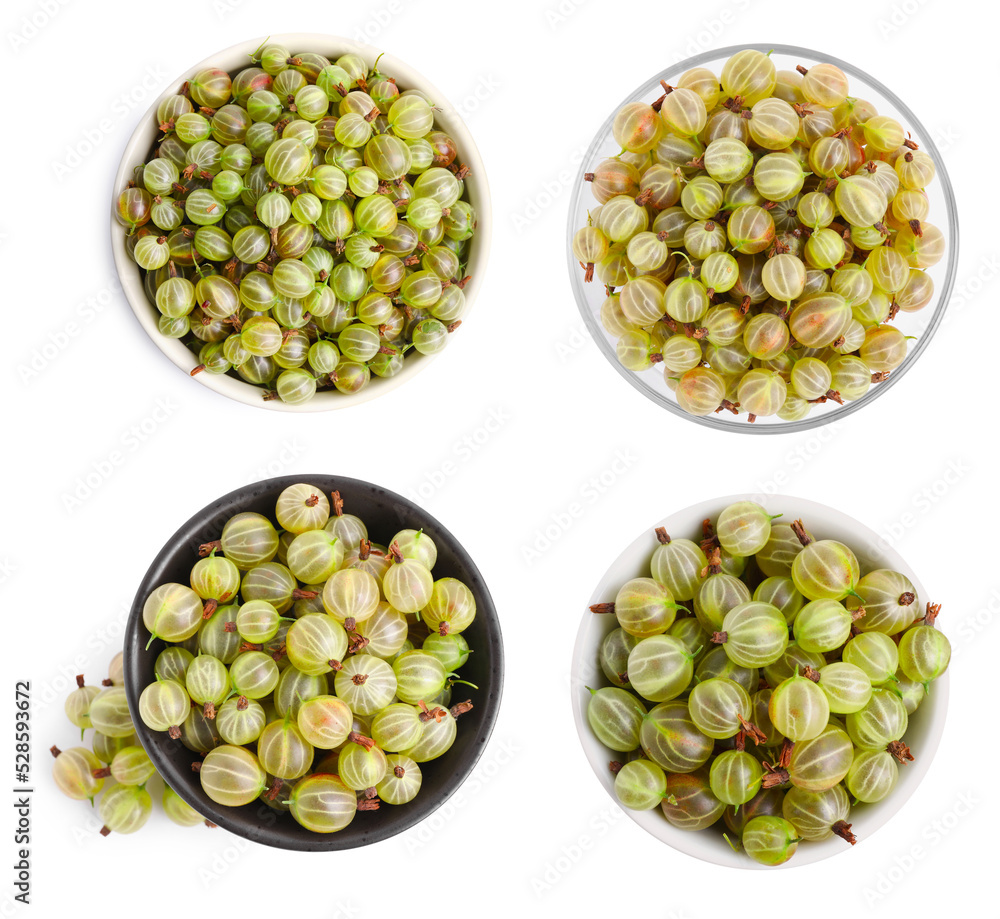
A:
[755,634]
[613,655]
[436,736]
[125,808]
[875,653]
[254,674]
[408,585]
[770,840]
[761,719]
[825,570]
[214,639]
[367,684]
[172,612]
[774,124]
[73,772]
[728,159]
[644,607]
[890,601]
[419,676]
[883,348]
[762,392]
[397,727]
[640,784]
[322,803]
[248,539]
[811,378]
[743,528]
[819,319]
[766,336]
[316,643]
[822,626]
[677,565]
[164,705]
[669,737]
[314,556]
[451,607]
[324,721]
[716,663]
[198,733]
[780,592]
[283,750]
[683,113]
[239,721]
[132,766]
[872,776]
[172,663]
[799,709]
[386,630]
[750,74]
[847,687]
[718,594]
[302,507]
[735,776]
[766,802]
[207,681]
[232,775]
[792,661]
[401,781]
[881,721]
[813,813]
[660,668]
[822,762]
[690,804]
[215,578]
[178,810]
[288,161]
[924,653]
[615,716]
[641,300]
[257,621]
[717,706]
[700,391]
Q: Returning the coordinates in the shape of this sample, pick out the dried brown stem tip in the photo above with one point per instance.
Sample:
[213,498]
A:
[229,627]
[312,500]
[714,560]
[602,608]
[811,674]
[726,406]
[105,830]
[101,773]
[430,714]
[843,830]
[900,751]
[661,535]
[174,733]
[299,594]
[751,730]
[242,704]
[368,804]
[338,503]
[208,608]
[930,617]
[196,766]
[54,750]
[720,638]
[209,711]
[361,740]
[80,681]
[800,532]
[615,767]
[859,613]
[460,708]
[395,553]
[206,548]
[107,682]
[399,772]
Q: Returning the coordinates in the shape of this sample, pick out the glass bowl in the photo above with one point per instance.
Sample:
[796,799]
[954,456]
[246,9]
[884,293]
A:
[921,325]
[385,513]
[926,724]
[232,59]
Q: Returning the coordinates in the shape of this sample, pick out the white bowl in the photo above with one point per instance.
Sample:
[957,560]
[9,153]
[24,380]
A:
[925,727]
[235,58]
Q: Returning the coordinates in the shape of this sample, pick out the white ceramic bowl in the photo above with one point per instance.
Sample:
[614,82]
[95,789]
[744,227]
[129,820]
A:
[925,727]
[236,58]
[921,325]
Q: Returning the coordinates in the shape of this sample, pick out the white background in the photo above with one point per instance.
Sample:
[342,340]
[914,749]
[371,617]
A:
[533,832]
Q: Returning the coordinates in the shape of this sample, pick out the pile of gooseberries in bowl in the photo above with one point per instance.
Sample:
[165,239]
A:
[762,235]
[760,684]
[301,223]
[313,663]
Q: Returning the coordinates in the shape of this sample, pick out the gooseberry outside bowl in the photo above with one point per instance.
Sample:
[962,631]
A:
[384,513]
[232,59]
[922,324]
[926,724]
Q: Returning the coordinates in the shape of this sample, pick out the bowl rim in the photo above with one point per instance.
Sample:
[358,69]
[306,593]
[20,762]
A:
[231,58]
[702,845]
[942,294]
[179,780]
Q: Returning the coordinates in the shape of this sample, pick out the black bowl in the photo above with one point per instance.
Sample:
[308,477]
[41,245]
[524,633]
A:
[384,513]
